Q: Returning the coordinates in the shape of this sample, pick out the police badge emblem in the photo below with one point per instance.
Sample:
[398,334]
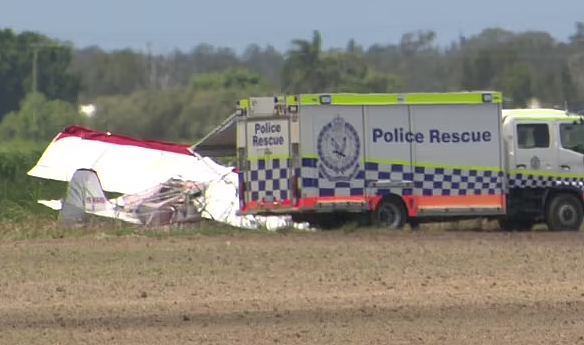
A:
[338,148]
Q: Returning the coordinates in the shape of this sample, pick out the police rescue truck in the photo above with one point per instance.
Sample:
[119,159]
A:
[410,158]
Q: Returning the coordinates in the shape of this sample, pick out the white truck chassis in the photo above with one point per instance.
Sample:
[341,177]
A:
[399,158]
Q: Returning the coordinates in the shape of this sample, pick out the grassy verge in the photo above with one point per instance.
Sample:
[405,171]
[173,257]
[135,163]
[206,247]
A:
[48,228]
[18,191]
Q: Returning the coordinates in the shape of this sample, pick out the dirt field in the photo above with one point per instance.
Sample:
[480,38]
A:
[332,288]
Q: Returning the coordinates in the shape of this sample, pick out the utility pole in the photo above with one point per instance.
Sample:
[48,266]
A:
[34,87]
[153,73]
[35,57]
[36,47]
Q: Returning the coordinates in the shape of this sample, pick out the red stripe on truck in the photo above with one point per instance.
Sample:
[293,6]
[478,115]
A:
[413,203]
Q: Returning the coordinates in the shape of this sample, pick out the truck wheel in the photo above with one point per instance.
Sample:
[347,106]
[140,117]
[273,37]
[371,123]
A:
[391,214]
[564,212]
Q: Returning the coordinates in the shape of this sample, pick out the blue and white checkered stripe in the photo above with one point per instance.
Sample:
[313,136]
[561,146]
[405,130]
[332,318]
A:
[526,180]
[427,181]
[269,178]
[453,181]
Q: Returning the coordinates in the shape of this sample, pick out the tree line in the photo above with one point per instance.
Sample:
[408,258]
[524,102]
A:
[182,95]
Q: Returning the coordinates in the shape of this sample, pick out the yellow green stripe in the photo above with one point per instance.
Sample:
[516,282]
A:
[243,104]
[464,167]
[420,164]
[547,118]
[540,114]
[406,98]
[435,165]
[351,99]
[451,98]
[291,100]
[257,158]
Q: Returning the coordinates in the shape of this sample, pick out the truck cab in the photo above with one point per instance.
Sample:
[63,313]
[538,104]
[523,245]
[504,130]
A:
[544,158]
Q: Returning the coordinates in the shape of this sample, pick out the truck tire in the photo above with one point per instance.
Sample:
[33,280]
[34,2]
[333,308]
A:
[564,212]
[391,214]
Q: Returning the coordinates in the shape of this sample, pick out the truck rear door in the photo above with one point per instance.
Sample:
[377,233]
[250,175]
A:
[263,155]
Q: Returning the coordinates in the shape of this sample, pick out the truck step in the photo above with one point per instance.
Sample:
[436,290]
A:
[479,210]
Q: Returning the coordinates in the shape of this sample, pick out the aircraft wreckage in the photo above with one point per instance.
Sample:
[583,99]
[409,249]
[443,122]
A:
[161,183]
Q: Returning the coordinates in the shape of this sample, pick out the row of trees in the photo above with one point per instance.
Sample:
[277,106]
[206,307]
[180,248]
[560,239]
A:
[182,95]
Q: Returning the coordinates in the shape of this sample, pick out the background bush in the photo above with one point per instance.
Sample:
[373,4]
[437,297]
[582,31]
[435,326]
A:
[18,191]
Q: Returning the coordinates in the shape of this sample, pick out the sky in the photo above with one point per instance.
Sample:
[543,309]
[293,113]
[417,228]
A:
[183,24]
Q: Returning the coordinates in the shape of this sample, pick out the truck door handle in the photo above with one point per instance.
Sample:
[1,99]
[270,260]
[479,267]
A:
[521,166]
[565,167]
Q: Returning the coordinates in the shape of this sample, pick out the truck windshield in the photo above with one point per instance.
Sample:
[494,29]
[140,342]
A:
[572,137]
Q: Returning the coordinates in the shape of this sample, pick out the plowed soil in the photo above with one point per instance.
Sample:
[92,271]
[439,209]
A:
[322,288]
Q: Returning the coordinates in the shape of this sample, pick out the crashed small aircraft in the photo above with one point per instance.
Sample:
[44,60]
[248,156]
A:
[161,183]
